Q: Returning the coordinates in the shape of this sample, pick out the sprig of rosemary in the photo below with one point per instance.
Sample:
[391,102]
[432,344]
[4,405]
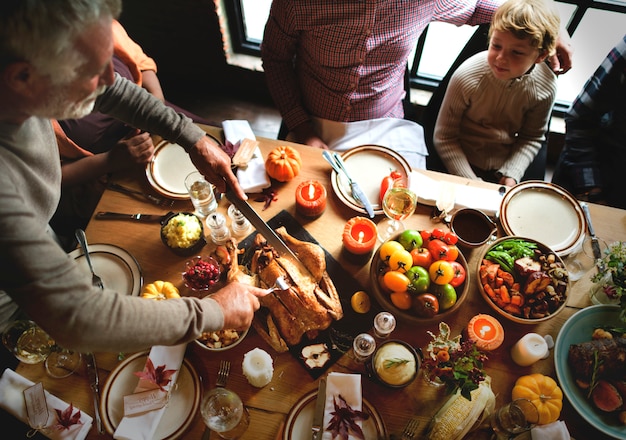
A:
[597,362]
[394,362]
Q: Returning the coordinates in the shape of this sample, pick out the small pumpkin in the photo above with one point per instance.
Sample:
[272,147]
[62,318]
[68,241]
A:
[160,290]
[543,392]
[283,163]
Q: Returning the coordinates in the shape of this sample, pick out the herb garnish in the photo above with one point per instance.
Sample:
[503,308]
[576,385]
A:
[394,362]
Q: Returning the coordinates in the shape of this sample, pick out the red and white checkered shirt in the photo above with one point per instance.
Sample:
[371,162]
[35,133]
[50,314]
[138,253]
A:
[344,60]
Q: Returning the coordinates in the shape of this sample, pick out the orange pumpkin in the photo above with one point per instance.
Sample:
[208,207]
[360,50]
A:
[543,392]
[283,163]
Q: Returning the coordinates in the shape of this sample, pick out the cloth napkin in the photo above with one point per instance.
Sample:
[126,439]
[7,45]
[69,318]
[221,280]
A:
[12,386]
[428,192]
[349,386]
[143,426]
[252,178]
[401,135]
[552,431]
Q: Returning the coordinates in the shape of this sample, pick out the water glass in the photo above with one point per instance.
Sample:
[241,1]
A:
[384,324]
[581,260]
[364,346]
[514,418]
[223,412]
[201,194]
[27,341]
[62,362]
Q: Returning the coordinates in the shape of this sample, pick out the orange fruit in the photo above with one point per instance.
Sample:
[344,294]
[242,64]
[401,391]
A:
[360,302]
[401,300]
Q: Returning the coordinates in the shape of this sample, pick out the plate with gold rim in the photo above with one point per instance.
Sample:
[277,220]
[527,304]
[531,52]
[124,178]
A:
[367,165]
[300,420]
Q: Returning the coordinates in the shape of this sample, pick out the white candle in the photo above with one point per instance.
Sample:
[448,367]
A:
[529,349]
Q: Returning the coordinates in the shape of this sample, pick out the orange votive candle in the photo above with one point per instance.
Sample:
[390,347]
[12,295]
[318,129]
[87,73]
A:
[359,235]
[310,198]
[486,331]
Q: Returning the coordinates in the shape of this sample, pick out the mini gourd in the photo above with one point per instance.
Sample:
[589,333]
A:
[159,290]
[543,392]
[283,163]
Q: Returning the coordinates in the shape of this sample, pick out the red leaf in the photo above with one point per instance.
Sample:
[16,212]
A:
[65,418]
[159,376]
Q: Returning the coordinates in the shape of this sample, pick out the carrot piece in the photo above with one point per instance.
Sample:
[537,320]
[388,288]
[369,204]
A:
[504,294]
[517,299]
[489,291]
[499,281]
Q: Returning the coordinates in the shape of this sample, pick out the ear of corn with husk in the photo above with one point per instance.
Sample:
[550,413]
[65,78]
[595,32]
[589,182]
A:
[458,416]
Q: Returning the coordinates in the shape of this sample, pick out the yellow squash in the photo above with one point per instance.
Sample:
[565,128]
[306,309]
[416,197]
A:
[160,290]
[543,392]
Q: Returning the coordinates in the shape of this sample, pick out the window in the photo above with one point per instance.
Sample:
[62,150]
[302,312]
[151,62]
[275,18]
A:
[441,44]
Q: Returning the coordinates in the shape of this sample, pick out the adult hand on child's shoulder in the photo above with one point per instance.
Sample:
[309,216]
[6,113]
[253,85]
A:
[561,61]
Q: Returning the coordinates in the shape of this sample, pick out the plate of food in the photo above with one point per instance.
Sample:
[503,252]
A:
[182,406]
[545,212]
[367,165]
[574,356]
[118,269]
[300,420]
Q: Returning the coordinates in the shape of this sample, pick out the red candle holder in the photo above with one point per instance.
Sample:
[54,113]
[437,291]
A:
[486,331]
[310,198]
[359,236]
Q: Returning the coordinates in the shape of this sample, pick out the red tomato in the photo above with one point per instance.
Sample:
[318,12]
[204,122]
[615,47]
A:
[450,238]
[459,274]
[425,305]
[395,174]
[453,253]
[438,249]
[425,236]
[438,233]
[386,183]
[421,257]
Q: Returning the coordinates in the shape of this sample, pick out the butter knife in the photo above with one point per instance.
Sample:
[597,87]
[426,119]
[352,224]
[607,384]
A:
[318,416]
[94,383]
[147,218]
[595,242]
[339,166]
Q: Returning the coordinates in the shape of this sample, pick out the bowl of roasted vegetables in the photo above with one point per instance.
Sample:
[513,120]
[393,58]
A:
[523,279]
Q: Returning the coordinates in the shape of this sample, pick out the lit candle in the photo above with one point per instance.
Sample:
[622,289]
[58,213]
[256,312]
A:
[486,331]
[359,235]
[310,198]
[529,349]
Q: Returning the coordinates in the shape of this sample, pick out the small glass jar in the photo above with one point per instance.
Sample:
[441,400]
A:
[239,223]
[220,233]
[363,346]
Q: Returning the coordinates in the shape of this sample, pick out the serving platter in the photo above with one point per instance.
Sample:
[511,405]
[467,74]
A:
[118,269]
[300,420]
[545,212]
[367,165]
[577,329]
[181,408]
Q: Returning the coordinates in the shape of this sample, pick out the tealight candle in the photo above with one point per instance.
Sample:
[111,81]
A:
[310,198]
[486,331]
[529,349]
[359,235]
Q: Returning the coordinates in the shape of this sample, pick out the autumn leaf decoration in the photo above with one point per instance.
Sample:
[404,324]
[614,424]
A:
[344,420]
[65,418]
[159,376]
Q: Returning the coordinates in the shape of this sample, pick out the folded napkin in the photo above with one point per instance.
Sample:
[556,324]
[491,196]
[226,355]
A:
[552,431]
[143,425]
[349,387]
[12,386]
[253,177]
[428,192]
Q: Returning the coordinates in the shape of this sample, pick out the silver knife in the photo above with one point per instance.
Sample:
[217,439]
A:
[318,416]
[357,192]
[94,383]
[149,218]
[595,243]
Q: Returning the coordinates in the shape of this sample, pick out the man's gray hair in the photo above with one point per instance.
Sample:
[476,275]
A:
[43,32]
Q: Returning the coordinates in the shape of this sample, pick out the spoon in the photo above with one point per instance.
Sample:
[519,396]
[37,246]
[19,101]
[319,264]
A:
[82,240]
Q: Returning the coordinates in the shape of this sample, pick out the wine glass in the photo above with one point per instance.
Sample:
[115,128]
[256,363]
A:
[62,362]
[514,418]
[399,203]
[27,341]
[223,412]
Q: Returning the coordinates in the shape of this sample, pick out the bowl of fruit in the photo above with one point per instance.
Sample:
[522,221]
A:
[523,279]
[420,276]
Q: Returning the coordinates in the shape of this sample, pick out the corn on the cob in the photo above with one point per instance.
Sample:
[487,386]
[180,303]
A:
[459,415]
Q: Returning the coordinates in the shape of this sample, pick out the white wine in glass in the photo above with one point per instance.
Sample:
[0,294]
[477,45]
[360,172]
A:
[399,203]
[27,341]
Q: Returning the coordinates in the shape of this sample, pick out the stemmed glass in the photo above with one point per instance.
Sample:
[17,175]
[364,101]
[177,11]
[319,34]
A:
[223,412]
[514,418]
[399,203]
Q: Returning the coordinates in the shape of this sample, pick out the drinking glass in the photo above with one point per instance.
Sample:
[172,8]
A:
[27,341]
[364,346]
[384,324]
[581,260]
[514,418]
[62,362]
[399,203]
[201,194]
[223,412]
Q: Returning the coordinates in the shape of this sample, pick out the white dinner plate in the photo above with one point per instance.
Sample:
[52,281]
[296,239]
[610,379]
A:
[167,170]
[118,269]
[367,165]
[545,212]
[300,420]
[181,408]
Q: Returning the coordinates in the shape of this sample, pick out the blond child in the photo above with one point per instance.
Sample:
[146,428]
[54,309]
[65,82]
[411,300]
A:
[496,110]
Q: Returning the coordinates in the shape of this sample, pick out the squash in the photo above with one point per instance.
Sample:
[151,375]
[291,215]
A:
[543,392]
[160,290]
[283,163]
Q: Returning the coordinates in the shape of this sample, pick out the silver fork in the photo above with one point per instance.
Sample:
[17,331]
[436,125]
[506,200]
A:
[154,199]
[410,430]
[82,240]
[222,374]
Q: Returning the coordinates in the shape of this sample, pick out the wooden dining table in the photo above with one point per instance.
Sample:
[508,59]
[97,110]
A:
[270,406]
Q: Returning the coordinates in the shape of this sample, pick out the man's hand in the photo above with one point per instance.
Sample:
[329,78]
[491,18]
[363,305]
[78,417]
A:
[238,302]
[304,134]
[561,62]
[215,165]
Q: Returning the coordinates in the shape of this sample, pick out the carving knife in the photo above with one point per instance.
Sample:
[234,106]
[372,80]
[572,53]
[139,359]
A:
[317,428]
[147,218]
[595,243]
[357,192]
[94,383]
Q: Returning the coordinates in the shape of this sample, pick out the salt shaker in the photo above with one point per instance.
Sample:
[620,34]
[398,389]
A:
[240,224]
[219,231]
